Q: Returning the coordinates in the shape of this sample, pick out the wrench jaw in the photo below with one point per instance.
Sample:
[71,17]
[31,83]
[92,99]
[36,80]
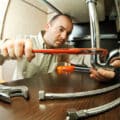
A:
[19,91]
[41,95]
[26,94]
[5,97]
[6,92]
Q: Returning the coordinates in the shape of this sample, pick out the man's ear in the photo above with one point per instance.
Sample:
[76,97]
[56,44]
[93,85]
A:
[47,26]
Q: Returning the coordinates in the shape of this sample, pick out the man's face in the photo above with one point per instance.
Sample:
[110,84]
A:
[58,31]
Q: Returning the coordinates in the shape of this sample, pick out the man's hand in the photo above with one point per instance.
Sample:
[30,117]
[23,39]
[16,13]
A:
[17,48]
[116,63]
[104,75]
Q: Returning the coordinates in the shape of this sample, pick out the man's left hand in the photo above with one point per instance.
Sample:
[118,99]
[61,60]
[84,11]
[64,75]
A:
[104,75]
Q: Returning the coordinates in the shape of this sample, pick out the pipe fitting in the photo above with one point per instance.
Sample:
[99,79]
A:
[94,1]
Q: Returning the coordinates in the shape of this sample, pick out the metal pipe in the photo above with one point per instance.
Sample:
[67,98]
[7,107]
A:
[94,26]
[102,36]
[94,29]
[95,36]
[44,96]
[75,115]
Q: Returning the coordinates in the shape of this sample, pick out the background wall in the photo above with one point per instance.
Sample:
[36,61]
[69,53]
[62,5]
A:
[22,18]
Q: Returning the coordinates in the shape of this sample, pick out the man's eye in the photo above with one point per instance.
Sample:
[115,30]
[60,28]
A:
[61,30]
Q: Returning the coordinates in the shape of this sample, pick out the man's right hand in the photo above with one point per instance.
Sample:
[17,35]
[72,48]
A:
[17,48]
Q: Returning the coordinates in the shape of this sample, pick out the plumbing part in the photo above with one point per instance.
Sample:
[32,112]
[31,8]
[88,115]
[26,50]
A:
[44,96]
[102,36]
[6,92]
[94,29]
[75,115]
[113,54]
[95,36]
[94,26]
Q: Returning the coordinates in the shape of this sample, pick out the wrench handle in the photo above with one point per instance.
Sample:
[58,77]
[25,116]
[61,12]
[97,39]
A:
[101,51]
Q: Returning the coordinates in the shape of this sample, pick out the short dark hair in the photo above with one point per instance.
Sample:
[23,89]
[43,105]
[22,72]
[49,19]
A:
[58,15]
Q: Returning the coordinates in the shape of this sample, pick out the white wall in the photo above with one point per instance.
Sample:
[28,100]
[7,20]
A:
[23,19]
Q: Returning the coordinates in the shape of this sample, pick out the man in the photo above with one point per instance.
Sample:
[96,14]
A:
[56,34]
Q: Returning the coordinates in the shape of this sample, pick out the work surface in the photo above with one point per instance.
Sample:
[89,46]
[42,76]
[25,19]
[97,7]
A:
[33,109]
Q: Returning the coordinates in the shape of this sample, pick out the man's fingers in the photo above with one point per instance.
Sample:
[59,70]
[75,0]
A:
[107,74]
[19,48]
[101,74]
[28,50]
[10,49]
[95,75]
[116,63]
[7,49]
[4,51]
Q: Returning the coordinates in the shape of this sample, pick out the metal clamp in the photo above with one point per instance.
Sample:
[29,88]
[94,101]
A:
[6,92]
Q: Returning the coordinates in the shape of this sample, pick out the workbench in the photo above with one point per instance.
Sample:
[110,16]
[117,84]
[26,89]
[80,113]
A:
[34,109]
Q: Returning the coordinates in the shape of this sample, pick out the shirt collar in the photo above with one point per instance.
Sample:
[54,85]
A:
[40,37]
